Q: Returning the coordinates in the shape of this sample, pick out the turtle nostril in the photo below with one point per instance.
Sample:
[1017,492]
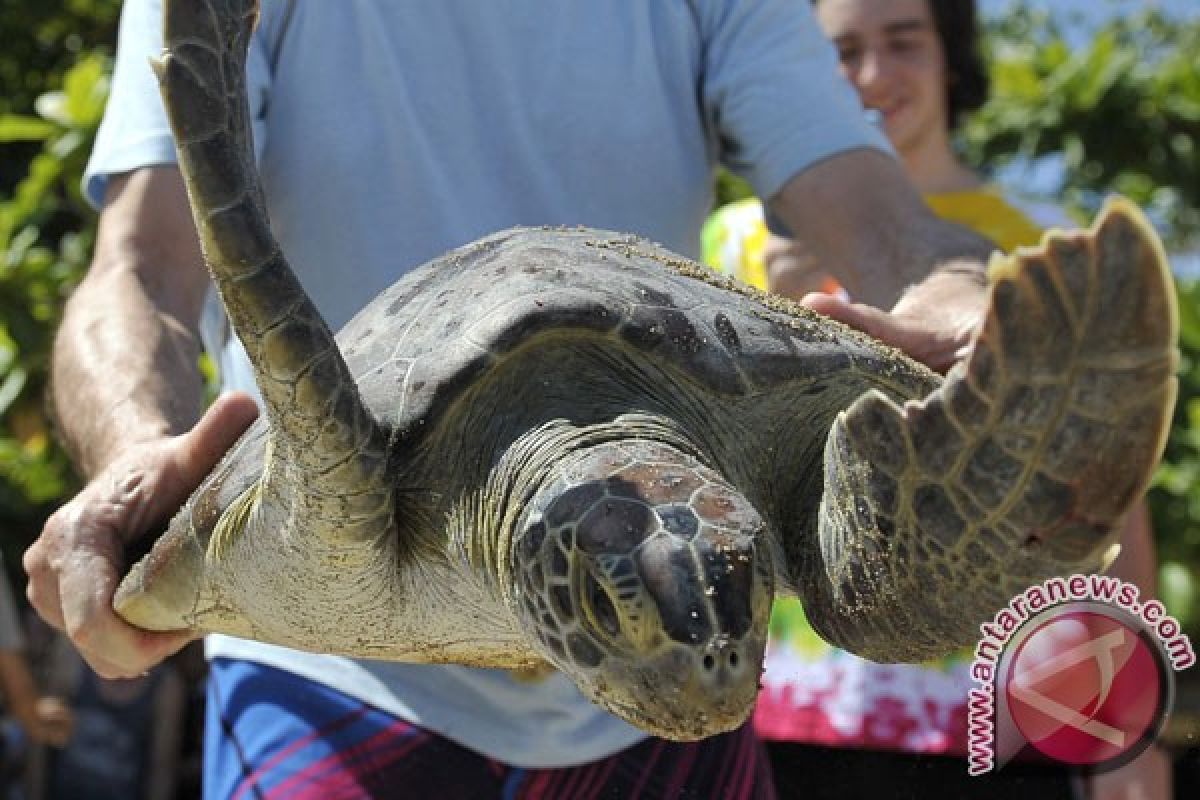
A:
[733,658]
[709,662]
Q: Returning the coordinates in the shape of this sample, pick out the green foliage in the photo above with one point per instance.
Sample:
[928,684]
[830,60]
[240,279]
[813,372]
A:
[41,40]
[1121,110]
[1175,496]
[730,188]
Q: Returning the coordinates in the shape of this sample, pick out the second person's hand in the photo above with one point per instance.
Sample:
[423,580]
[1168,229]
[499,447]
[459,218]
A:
[934,322]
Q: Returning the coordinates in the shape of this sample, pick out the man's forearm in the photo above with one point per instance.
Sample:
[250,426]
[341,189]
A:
[869,228]
[125,361]
[123,372]
[16,686]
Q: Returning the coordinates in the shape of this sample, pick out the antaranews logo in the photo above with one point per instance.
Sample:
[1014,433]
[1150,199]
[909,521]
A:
[1076,668]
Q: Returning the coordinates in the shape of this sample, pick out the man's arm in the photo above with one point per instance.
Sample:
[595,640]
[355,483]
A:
[45,718]
[125,388]
[868,227]
[127,348]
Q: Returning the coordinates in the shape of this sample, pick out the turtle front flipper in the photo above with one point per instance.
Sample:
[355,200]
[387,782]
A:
[312,402]
[321,435]
[1019,467]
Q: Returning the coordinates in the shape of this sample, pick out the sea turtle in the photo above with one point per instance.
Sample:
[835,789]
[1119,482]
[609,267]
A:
[571,446]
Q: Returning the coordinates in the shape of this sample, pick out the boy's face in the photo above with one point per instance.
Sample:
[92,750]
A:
[890,51]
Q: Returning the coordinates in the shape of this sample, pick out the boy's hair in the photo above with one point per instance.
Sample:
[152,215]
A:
[966,76]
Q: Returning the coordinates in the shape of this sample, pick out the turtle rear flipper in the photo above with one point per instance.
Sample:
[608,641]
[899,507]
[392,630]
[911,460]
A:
[1020,466]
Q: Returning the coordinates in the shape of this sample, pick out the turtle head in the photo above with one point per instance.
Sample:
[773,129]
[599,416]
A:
[647,578]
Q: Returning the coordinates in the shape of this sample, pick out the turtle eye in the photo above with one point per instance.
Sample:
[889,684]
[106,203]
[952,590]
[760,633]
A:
[603,613]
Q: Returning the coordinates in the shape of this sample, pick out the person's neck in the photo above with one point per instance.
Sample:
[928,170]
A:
[935,169]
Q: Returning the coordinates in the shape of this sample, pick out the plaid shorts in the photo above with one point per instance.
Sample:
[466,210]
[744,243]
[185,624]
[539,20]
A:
[271,734]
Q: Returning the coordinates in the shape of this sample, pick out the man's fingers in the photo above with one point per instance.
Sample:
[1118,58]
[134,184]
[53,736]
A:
[867,319]
[113,647]
[824,303]
[42,587]
[86,584]
[73,593]
[75,565]
[148,649]
[116,650]
[937,340]
[54,720]
[202,447]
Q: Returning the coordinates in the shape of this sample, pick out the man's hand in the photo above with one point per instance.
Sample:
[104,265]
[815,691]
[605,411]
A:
[75,565]
[865,224]
[46,720]
[51,722]
[791,270]
[934,322]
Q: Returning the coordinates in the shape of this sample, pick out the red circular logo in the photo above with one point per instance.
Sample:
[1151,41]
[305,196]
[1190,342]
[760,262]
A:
[1087,688]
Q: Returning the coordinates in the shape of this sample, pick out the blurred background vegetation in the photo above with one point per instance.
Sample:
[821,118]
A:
[1115,111]
[1118,112]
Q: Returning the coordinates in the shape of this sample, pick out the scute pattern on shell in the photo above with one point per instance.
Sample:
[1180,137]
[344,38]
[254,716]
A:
[435,331]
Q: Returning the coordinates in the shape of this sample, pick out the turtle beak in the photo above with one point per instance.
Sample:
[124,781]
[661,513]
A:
[713,597]
[688,693]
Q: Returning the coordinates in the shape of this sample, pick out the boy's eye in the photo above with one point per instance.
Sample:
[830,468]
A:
[905,45]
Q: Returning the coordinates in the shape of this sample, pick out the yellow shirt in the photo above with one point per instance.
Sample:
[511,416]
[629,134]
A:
[734,238]
[989,213]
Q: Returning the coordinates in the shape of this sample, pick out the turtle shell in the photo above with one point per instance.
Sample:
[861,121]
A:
[423,347]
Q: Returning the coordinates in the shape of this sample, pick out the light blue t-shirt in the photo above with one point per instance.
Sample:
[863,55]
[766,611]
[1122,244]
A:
[391,131]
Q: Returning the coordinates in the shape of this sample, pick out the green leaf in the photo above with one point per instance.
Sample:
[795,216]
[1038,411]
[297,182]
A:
[1179,587]
[8,351]
[20,245]
[69,143]
[11,386]
[20,128]
[86,90]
